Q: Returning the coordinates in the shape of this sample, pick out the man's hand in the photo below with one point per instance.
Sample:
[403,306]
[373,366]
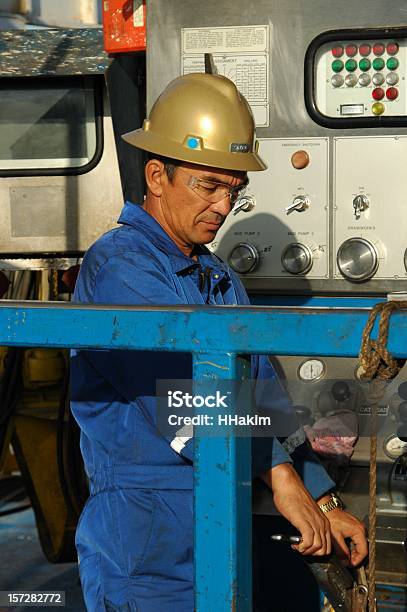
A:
[293,501]
[345,525]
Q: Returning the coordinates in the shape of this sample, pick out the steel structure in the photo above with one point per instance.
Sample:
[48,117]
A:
[216,337]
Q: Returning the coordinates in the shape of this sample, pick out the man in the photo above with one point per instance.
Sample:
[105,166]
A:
[135,536]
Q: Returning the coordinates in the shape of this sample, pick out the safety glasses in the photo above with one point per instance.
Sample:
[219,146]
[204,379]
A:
[213,192]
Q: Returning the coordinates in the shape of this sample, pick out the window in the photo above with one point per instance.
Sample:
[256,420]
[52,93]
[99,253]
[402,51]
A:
[49,124]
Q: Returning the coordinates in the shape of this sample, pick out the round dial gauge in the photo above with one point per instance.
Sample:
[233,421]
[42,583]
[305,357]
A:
[312,369]
[394,447]
[243,258]
[357,259]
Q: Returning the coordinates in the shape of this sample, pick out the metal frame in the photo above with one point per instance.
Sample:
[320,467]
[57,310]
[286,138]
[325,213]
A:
[216,337]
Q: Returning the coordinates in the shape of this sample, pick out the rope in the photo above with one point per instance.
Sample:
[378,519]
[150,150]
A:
[53,280]
[374,358]
[377,391]
[378,365]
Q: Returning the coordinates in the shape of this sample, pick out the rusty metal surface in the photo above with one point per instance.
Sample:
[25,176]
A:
[49,52]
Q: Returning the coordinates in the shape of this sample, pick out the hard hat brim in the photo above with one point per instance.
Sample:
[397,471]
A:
[149,141]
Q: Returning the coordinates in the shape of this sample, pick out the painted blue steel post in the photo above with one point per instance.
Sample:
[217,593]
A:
[222,496]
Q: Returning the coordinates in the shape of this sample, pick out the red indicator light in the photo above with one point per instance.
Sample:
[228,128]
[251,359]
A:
[365,49]
[337,51]
[378,93]
[351,50]
[378,49]
[392,48]
[392,93]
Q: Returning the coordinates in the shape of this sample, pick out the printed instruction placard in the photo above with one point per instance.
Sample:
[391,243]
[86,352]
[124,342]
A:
[240,53]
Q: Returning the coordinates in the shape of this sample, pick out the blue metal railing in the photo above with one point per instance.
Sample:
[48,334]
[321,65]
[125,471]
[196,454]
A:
[215,337]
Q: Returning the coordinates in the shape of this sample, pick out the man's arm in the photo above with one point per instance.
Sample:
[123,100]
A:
[271,398]
[295,503]
[346,526]
[299,499]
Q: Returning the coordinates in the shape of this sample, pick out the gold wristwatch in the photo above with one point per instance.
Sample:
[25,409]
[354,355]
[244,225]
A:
[332,504]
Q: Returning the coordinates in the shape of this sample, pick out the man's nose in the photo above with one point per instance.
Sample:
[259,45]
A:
[222,207]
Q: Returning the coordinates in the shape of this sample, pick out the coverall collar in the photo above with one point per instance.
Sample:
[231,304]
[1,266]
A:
[135,215]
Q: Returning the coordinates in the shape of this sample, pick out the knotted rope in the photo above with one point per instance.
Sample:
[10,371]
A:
[378,365]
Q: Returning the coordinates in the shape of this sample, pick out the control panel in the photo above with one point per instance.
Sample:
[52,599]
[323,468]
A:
[361,78]
[369,218]
[299,222]
[280,227]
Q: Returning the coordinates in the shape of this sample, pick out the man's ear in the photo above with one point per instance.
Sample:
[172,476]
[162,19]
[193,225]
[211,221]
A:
[155,176]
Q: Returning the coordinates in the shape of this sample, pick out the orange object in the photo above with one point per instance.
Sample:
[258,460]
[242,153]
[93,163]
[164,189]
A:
[124,25]
[300,159]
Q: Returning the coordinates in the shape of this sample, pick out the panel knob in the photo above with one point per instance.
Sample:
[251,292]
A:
[340,391]
[304,415]
[402,410]
[402,432]
[296,258]
[402,390]
[243,258]
[357,259]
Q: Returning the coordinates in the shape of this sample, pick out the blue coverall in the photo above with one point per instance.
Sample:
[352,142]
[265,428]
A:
[135,534]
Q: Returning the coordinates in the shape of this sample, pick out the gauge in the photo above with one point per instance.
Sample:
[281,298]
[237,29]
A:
[312,369]
[394,447]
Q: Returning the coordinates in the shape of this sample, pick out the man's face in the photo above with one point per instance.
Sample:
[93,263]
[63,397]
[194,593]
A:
[190,217]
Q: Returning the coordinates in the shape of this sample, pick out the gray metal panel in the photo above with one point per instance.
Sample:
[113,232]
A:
[294,24]
[37,211]
[90,203]
[73,211]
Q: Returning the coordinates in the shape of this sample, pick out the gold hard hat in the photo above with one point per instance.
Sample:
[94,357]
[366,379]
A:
[202,119]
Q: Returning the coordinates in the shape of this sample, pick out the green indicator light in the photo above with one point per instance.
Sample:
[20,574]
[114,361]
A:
[364,64]
[351,65]
[378,63]
[392,63]
[337,65]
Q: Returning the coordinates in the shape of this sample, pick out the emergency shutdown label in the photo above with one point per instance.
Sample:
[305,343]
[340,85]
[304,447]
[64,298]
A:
[240,53]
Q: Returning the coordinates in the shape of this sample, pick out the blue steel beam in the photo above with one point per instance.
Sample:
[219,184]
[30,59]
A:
[274,330]
[222,501]
[215,336]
